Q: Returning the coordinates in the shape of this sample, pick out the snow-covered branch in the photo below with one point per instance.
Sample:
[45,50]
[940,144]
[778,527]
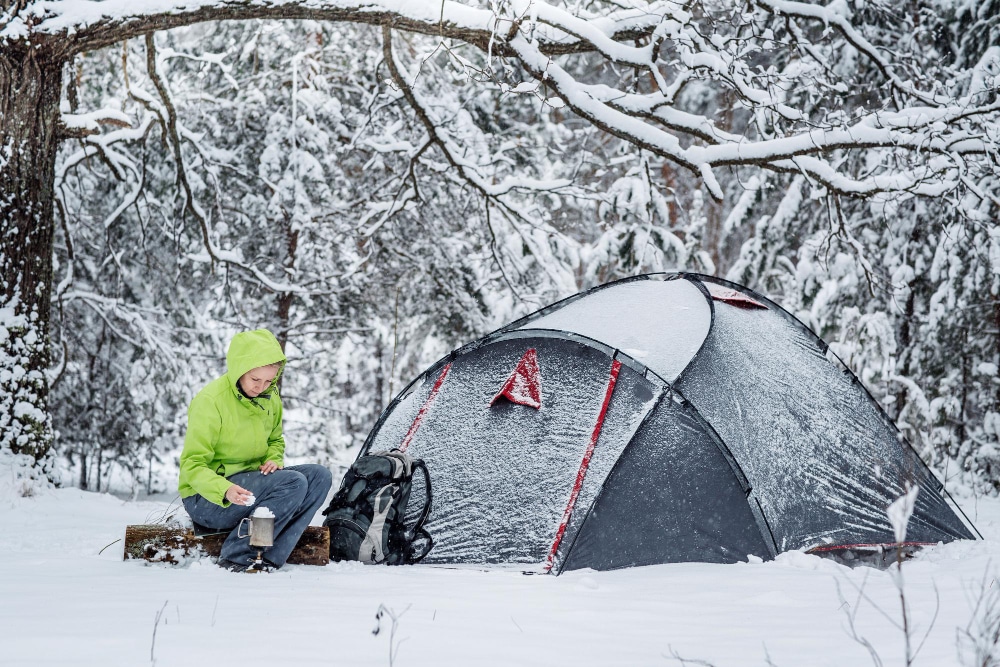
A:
[212,254]
[937,132]
[796,118]
[468,170]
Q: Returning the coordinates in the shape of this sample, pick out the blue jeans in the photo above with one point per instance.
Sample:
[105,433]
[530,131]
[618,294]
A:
[292,494]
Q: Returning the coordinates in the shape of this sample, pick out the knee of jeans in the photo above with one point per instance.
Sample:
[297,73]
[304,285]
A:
[292,481]
[316,474]
[190,505]
[323,475]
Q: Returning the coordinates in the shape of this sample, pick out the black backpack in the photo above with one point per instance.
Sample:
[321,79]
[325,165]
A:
[368,518]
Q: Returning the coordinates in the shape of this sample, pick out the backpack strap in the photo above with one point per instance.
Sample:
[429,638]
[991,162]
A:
[402,463]
[418,533]
[419,464]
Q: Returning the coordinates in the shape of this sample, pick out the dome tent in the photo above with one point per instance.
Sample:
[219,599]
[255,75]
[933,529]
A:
[662,418]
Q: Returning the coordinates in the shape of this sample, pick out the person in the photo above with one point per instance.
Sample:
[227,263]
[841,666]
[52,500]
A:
[233,457]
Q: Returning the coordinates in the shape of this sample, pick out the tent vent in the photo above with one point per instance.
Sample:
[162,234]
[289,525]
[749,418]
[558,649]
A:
[732,297]
[524,386]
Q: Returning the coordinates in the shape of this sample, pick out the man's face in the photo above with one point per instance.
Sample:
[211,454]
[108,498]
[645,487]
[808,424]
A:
[257,380]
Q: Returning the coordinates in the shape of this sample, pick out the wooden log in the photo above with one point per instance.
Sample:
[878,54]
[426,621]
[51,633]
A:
[159,543]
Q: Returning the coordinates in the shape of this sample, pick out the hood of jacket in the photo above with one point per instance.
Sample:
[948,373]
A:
[253,349]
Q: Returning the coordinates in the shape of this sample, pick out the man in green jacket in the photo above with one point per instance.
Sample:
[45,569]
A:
[233,456]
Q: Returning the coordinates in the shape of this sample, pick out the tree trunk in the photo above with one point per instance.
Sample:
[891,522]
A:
[30,85]
[84,462]
[285,299]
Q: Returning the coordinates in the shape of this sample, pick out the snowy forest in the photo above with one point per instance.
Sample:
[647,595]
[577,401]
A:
[380,182]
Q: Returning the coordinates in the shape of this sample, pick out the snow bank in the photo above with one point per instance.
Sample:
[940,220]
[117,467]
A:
[69,599]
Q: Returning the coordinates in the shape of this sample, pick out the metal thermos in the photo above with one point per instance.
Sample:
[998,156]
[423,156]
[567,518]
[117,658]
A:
[260,529]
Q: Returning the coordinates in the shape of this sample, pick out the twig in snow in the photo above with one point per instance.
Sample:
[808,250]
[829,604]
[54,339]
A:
[979,641]
[382,612]
[166,515]
[851,613]
[686,661]
[156,624]
[108,545]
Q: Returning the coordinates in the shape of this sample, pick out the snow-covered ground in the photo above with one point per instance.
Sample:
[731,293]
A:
[69,599]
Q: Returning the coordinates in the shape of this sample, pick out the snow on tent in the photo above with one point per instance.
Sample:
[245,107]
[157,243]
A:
[658,419]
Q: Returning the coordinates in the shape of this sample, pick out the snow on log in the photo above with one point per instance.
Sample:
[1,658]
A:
[158,543]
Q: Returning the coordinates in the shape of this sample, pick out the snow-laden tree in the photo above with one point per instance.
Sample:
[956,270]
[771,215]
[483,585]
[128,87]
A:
[306,157]
[769,124]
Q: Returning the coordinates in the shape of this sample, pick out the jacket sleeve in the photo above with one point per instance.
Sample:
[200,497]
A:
[276,441]
[204,426]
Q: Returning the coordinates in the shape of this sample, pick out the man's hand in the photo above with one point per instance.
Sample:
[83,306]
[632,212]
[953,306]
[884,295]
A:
[237,495]
[269,466]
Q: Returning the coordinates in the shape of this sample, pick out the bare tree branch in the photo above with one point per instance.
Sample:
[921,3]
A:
[670,42]
[175,145]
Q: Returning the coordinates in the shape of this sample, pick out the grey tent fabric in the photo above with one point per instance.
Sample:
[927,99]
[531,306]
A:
[502,473]
[647,514]
[822,458]
[755,444]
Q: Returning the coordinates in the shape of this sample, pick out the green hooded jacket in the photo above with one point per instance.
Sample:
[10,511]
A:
[227,432]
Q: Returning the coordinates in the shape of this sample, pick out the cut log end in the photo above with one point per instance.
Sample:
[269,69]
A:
[158,543]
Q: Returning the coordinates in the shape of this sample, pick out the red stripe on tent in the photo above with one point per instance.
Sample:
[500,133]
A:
[872,546]
[424,408]
[582,472]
